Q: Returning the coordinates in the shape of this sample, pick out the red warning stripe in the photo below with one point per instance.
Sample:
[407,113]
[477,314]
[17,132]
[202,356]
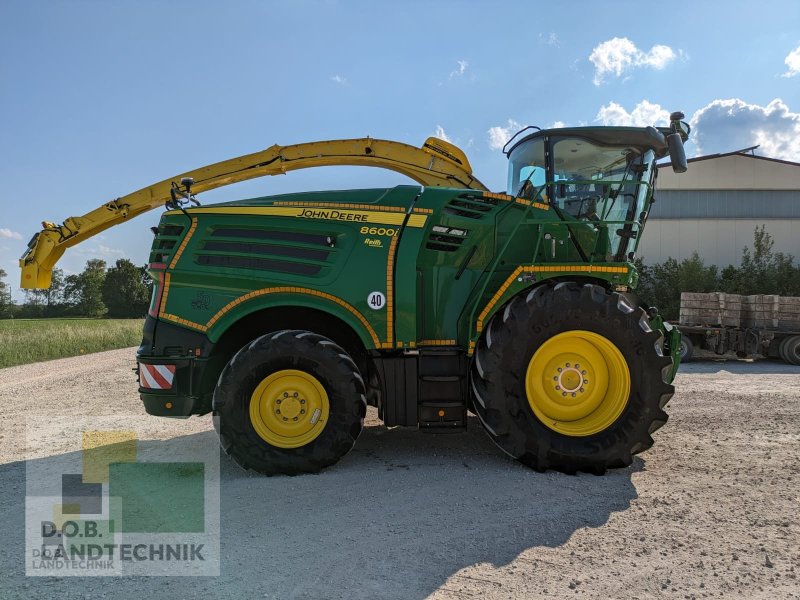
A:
[156,377]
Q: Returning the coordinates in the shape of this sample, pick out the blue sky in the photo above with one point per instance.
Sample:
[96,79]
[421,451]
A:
[98,99]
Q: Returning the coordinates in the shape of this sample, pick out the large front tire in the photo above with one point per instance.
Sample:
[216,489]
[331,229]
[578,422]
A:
[571,378]
[289,402]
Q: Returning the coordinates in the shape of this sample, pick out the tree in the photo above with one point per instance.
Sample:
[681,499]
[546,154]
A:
[126,290]
[85,290]
[663,283]
[6,303]
[47,302]
[766,272]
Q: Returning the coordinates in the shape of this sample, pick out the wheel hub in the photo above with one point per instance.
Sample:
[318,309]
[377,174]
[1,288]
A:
[570,380]
[577,383]
[289,408]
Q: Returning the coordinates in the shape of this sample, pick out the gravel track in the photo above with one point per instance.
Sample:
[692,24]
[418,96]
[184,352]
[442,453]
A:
[712,510]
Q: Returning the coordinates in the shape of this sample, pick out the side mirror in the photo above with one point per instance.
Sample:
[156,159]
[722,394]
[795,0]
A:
[677,153]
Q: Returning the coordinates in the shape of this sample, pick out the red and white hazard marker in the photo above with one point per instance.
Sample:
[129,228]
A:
[156,377]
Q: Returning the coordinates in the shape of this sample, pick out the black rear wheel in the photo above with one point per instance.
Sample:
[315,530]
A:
[790,350]
[687,348]
[571,378]
[289,402]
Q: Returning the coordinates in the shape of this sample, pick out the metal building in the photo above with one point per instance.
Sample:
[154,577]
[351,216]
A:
[714,207]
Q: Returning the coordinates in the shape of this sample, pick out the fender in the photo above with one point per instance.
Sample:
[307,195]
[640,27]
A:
[277,297]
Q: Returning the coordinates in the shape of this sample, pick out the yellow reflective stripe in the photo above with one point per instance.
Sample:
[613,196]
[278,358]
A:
[523,201]
[323,214]
[541,269]
[266,291]
[400,209]
[390,291]
[183,244]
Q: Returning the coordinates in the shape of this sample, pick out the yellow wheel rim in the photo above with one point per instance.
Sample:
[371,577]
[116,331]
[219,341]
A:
[289,408]
[578,383]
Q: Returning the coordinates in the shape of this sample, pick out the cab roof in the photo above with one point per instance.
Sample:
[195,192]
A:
[640,137]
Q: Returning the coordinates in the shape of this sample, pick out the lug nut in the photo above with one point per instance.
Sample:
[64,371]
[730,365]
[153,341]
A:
[560,369]
[277,411]
[563,393]
[577,366]
[573,394]
[285,394]
[294,419]
[567,364]
[555,378]
[285,419]
[295,394]
[583,372]
[581,390]
[302,401]
[302,411]
[585,381]
[558,387]
[278,400]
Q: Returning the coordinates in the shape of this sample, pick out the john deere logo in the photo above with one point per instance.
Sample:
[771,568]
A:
[334,215]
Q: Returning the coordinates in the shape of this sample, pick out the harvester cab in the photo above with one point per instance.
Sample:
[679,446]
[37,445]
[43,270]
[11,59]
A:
[285,316]
[598,181]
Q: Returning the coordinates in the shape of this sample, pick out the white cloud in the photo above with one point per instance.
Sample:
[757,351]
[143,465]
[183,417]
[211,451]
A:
[618,55]
[643,114]
[792,61]
[439,133]
[557,124]
[498,136]
[460,69]
[107,250]
[551,39]
[338,79]
[7,233]
[733,124]
[98,251]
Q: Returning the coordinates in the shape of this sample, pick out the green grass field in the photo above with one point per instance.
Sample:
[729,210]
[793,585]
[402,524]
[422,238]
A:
[25,341]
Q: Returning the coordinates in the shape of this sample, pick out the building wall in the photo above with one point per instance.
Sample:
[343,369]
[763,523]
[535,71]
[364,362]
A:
[726,204]
[732,172]
[717,241]
[713,208]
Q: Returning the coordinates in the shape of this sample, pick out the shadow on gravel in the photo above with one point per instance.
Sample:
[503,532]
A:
[395,519]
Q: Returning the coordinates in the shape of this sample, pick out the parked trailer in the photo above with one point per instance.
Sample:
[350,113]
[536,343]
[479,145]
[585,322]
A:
[758,325]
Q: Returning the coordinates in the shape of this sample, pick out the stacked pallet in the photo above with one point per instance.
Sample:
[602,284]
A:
[762,311]
[771,312]
[715,308]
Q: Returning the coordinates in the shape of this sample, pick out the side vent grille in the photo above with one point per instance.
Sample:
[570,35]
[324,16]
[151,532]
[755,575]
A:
[261,264]
[165,242]
[274,250]
[277,251]
[470,206]
[446,239]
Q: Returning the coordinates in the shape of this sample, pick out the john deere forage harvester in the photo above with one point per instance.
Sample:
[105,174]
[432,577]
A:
[285,316]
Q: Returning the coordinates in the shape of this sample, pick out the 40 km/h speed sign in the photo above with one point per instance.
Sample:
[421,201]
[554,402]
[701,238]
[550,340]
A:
[376,300]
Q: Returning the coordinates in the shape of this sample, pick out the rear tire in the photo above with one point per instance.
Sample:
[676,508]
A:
[320,421]
[501,366]
[790,350]
[687,348]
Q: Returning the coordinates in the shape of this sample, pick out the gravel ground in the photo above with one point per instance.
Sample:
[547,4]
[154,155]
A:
[712,510]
